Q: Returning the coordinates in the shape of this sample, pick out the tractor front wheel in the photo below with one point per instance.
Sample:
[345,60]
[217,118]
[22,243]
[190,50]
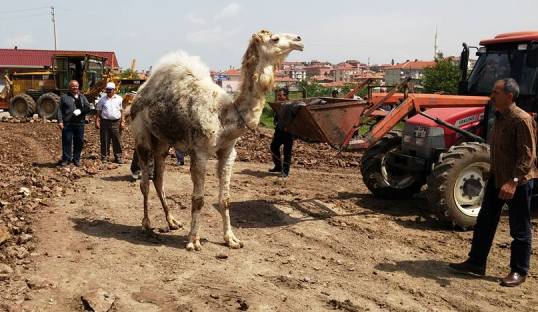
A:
[457,183]
[383,180]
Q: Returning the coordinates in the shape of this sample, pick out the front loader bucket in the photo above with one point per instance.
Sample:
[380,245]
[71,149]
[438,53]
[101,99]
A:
[329,122]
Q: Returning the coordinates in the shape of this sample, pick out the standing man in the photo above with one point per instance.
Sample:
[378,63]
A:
[513,155]
[71,117]
[281,137]
[110,120]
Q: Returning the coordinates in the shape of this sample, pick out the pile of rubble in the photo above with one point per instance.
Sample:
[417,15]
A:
[254,147]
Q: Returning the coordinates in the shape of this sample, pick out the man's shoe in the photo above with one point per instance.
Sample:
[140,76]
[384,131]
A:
[275,169]
[119,161]
[76,163]
[64,163]
[513,279]
[284,174]
[469,268]
[104,159]
[135,175]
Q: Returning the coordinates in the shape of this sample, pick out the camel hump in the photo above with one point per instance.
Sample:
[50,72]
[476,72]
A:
[183,64]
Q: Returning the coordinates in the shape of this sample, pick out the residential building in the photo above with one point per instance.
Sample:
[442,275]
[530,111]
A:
[230,80]
[396,73]
[345,71]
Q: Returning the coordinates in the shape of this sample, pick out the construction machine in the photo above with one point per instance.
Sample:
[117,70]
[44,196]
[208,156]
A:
[442,145]
[39,92]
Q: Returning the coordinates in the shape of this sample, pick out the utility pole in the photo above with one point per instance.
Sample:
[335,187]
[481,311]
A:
[54,26]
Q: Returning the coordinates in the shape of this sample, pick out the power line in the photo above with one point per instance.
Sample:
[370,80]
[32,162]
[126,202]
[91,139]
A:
[23,10]
[11,18]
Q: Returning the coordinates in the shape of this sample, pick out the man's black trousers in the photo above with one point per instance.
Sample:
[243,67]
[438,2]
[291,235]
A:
[520,226]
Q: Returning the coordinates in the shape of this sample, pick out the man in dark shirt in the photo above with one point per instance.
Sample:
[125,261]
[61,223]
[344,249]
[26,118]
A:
[71,116]
[281,137]
[513,156]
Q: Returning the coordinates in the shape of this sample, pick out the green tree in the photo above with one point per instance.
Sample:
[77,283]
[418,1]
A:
[443,77]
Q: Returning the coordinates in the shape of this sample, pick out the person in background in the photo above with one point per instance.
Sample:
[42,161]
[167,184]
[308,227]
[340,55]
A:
[513,157]
[180,157]
[110,121]
[281,137]
[71,119]
[334,93]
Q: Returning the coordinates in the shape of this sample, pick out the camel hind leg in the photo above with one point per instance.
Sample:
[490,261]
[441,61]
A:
[144,155]
[226,158]
[161,151]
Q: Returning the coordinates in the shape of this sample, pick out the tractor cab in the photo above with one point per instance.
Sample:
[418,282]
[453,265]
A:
[511,55]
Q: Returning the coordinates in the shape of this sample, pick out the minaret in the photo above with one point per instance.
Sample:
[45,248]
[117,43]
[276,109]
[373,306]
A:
[435,45]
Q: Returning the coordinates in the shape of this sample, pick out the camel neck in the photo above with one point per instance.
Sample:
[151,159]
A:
[254,86]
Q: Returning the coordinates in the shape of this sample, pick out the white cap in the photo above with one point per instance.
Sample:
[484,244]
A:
[110,85]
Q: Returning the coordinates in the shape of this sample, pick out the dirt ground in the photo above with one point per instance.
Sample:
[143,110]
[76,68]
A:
[71,239]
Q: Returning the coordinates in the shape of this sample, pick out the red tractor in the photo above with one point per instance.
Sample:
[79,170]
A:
[442,146]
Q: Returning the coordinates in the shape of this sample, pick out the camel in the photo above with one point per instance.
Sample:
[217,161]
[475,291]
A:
[180,106]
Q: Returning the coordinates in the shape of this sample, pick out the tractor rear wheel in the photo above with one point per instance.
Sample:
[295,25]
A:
[47,105]
[457,183]
[382,180]
[21,106]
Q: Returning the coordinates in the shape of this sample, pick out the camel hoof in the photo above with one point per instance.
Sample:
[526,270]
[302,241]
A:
[146,225]
[174,225]
[194,246]
[235,243]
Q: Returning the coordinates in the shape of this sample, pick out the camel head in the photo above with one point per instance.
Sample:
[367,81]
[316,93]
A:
[276,46]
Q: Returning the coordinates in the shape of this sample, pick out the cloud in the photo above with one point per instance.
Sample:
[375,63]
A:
[195,19]
[214,34]
[229,11]
[21,41]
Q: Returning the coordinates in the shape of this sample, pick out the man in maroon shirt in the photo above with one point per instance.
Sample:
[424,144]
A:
[513,156]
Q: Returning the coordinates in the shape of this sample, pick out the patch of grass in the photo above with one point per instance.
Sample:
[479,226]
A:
[267,117]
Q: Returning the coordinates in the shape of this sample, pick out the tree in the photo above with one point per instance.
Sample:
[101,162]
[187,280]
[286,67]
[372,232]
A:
[314,89]
[443,77]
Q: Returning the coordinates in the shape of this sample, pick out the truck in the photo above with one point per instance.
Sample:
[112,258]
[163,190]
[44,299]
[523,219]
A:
[442,148]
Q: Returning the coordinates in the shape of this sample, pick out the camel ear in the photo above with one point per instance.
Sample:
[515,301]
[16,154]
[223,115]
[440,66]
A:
[256,37]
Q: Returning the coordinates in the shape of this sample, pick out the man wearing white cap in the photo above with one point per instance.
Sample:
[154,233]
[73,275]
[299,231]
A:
[110,121]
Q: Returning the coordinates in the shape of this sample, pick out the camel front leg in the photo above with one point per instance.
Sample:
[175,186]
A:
[158,182]
[226,159]
[198,171]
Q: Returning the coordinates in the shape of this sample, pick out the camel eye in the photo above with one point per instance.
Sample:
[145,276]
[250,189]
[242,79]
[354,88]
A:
[275,39]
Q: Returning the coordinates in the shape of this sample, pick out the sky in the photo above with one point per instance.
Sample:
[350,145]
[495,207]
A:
[218,31]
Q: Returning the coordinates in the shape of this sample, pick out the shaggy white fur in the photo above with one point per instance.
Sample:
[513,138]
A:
[180,106]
